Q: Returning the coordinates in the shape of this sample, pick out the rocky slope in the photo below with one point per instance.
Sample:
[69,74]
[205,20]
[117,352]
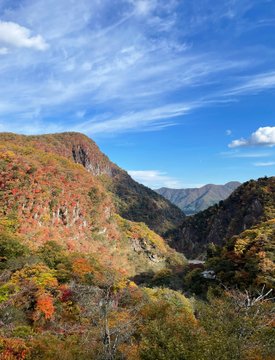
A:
[252,203]
[194,200]
[133,201]
[45,195]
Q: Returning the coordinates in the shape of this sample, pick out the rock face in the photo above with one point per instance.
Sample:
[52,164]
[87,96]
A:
[252,203]
[194,200]
[134,201]
[81,156]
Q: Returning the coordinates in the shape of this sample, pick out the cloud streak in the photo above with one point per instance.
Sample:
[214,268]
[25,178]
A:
[265,164]
[245,155]
[154,179]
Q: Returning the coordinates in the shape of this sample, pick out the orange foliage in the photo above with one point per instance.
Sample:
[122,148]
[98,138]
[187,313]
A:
[45,305]
[81,267]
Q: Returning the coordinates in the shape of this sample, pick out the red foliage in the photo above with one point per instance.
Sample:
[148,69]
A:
[66,293]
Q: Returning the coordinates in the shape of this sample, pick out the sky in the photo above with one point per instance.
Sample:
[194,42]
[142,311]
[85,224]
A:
[180,93]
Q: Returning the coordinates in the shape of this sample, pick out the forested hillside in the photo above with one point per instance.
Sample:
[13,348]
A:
[249,205]
[78,281]
[133,201]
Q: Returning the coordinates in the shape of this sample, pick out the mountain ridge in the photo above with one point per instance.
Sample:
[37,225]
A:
[194,200]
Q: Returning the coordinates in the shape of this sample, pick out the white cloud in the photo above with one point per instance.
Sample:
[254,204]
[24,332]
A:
[265,164]
[155,179]
[264,136]
[237,143]
[12,34]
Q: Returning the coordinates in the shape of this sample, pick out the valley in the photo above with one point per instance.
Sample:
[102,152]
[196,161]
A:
[94,265]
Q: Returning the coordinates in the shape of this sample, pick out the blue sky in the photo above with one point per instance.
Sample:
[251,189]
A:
[178,92]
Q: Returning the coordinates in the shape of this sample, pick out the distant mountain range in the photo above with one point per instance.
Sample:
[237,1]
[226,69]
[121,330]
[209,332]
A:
[191,201]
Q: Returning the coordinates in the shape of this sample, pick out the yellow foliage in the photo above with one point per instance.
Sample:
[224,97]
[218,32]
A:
[134,230]
[7,155]
[40,274]
[171,297]
[240,246]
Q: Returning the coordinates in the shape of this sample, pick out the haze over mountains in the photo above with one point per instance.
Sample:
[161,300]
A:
[194,200]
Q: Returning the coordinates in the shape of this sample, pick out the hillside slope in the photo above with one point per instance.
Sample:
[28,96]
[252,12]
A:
[248,259]
[133,201]
[45,196]
[194,200]
[252,203]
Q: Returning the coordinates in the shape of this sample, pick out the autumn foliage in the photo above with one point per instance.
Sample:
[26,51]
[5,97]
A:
[78,281]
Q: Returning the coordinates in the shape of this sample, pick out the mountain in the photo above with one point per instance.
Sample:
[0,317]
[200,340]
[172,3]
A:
[194,200]
[133,201]
[53,188]
[250,204]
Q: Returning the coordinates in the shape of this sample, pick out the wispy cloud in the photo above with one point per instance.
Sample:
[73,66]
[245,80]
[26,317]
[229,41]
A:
[252,84]
[264,136]
[265,164]
[148,119]
[108,67]
[155,179]
[245,155]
